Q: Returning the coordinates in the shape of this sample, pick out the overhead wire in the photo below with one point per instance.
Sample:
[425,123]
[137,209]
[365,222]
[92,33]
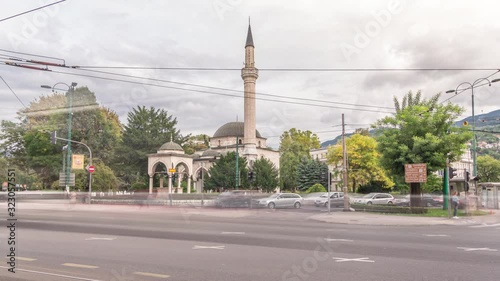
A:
[32,10]
[13,92]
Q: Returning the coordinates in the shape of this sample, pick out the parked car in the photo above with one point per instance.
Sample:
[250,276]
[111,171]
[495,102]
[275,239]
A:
[375,198]
[336,200]
[310,198]
[234,198]
[427,200]
[281,200]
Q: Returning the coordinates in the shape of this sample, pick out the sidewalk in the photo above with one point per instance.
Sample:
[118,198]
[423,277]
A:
[402,220]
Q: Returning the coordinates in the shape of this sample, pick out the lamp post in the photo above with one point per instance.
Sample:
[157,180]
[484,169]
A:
[69,95]
[474,145]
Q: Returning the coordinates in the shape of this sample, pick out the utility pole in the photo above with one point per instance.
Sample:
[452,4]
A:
[237,169]
[344,168]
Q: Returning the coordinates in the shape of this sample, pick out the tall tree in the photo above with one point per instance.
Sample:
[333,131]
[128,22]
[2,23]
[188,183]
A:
[363,161]
[295,145]
[311,172]
[421,131]
[488,169]
[27,144]
[147,129]
[266,175]
[223,173]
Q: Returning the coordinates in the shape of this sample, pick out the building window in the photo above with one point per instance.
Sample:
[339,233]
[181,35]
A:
[239,141]
[219,142]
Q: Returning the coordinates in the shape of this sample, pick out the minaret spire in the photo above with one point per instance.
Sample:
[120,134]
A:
[249,74]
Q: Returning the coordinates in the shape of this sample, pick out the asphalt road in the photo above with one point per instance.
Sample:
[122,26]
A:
[130,243]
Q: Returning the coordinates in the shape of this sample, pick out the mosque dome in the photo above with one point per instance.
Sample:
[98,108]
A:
[233,129]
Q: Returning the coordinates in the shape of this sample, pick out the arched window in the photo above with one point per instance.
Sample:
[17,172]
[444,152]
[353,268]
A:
[219,142]
[240,142]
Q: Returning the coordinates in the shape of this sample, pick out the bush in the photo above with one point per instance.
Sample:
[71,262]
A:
[138,186]
[316,188]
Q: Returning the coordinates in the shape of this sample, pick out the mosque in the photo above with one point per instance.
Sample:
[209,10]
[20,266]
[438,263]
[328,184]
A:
[230,137]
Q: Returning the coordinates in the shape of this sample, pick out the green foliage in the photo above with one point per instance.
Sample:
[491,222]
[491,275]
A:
[295,145]
[434,184]
[363,162]
[103,179]
[266,175]
[311,172]
[196,143]
[316,188]
[488,169]
[222,175]
[422,131]
[139,186]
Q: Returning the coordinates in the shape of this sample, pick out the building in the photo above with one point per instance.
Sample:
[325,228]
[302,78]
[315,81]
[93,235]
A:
[230,137]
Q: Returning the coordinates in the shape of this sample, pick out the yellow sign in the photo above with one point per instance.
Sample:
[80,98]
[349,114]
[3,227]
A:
[172,170]
[77,161]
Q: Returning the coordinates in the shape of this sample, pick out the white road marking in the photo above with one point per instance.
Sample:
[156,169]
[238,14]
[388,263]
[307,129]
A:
[151,274]
[436,235]
[485,225]
[232,233]
[196,247]
[53,274]
[337,240]
[101,238]
[477,249]
[358,259]
[80,265]
[23,259]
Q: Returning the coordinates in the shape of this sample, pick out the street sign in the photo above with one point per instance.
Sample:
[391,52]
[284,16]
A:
[172,170]
[416,172]
[91,169]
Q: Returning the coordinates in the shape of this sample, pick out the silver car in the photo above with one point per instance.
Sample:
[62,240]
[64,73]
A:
[281,200]
[336,199]
[376,199]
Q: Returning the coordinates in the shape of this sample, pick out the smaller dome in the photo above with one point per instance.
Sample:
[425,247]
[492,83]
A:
[210,153]
[171,146]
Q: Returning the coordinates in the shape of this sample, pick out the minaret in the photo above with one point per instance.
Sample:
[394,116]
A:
[249,74]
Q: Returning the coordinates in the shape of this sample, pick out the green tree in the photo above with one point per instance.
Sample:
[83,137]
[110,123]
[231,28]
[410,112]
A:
[488,169]
[196,143]
[363,161]
[147,129]
[421,131]
[222,175]
[295,145]
[266,175]
[311,172]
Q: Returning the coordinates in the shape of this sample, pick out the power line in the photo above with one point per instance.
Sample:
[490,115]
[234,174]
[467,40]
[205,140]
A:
[200,91]
[284,69]
[12,91]
[31,10]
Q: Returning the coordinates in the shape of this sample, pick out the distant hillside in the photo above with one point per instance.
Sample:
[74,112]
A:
[482,120]
[490,119]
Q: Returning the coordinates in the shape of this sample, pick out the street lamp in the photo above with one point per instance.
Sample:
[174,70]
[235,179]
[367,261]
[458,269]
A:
[471,86]
[69,95]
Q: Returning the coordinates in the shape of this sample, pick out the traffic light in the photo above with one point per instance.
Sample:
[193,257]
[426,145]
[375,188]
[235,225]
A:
[174,177]
[452,172]
[53,137]
[251,175]
[467,176]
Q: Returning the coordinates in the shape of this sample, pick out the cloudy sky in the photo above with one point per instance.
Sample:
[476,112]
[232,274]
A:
[353,40]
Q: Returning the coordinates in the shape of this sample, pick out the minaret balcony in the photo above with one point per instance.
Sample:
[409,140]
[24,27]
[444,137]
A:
[249,72]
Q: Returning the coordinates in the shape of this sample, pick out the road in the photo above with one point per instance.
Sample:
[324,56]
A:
[123,243]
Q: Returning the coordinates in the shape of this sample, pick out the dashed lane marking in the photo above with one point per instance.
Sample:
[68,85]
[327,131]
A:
[232,233]
[80,265]
[196,247]
[337,240]
[152,274]
[485,225]
[437,235]
[358,259]
[23,259]
[477,249]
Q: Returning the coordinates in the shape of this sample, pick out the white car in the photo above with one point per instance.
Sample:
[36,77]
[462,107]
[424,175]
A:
[376,199]
[281,200]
